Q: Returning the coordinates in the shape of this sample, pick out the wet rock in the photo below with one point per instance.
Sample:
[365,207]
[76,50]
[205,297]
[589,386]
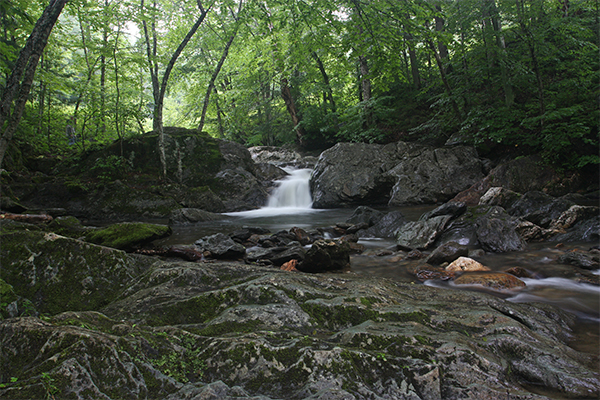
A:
[425,272]
[574,215]
[583,231]
[519,272]
[128,235]
[447,252]
[421,234]
[414,255]
[326,255]
[386,227]
[466,264]
[221,246]
[350,174]
[192,215]
[496,231]
[365,215]
[499,196]
[290,266]
[539,208]
[428,176]
[240,189]
[245,234]
[580,259]
[451,208]
[495,281]
[187,253]
[301,236]
[276,255]
[358,227]
[530,232]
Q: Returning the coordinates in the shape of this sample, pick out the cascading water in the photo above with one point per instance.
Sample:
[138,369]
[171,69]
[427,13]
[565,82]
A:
[293,191]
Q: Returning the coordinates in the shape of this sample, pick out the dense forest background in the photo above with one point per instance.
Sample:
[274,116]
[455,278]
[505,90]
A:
[514,75]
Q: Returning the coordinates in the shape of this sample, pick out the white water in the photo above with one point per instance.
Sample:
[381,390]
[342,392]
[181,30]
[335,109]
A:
[291,197]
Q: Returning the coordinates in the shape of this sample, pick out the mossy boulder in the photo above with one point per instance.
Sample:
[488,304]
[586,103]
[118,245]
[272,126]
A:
[58,273]
[128,235]
[263,333]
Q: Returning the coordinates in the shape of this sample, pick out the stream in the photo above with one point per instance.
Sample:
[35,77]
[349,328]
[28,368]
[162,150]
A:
[290,206]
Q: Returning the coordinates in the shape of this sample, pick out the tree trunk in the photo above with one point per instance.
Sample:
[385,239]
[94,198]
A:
[440,65]
[20,80]
[414,63]
[159,91]
[290,104]
[328,93]
[213,78]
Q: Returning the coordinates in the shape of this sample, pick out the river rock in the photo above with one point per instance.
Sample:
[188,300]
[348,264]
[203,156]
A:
[260,333]
[496,281]
[451,208]
[386,227]
[326,255]
[580,259]
[499,196]
[421,235]
[429,175]
[539,208]
[496,231]
[573,215]
[365,215]
[221,246]
[241,189]
[277,156]
[466,264]
[276,255]
[128,235]
[192,215]
[447,253]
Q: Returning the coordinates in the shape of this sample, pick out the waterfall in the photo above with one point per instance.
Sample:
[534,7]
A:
[293,191]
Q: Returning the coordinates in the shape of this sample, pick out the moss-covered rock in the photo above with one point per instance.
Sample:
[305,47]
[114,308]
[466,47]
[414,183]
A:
[58,273]
[128,235]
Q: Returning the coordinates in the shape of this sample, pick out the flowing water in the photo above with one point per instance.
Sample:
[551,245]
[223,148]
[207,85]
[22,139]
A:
[291,206]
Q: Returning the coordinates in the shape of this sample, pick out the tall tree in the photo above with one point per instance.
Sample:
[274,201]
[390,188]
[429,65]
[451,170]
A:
[159,89]
[18,85]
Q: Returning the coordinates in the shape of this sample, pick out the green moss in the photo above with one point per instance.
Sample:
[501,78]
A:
[128,235]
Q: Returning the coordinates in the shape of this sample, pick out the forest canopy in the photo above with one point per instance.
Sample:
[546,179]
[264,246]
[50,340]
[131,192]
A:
[522,74]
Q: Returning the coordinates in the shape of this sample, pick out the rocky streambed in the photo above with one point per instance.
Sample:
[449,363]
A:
[97,322]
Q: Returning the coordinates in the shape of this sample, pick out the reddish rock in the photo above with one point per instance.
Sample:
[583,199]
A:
[519,272]
[425,272]
[290,266]
[496,281]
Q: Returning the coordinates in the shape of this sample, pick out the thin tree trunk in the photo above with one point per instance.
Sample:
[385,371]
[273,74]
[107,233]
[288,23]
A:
[213,78]
[159,91]
[328,93]
[414,63]
[440,65]
[290,105]
[20,80]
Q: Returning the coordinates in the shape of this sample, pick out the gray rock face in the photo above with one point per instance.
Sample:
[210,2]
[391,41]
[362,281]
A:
[326,255]
[422,234]
[496,231]
[221,246]
[435,175]
[192,215]
[396,174]
[258,333]
[386,227]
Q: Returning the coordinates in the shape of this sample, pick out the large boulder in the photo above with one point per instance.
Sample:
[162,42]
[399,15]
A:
[58,273]
[397,174]
[351,174]
[434,175]
[496,231]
